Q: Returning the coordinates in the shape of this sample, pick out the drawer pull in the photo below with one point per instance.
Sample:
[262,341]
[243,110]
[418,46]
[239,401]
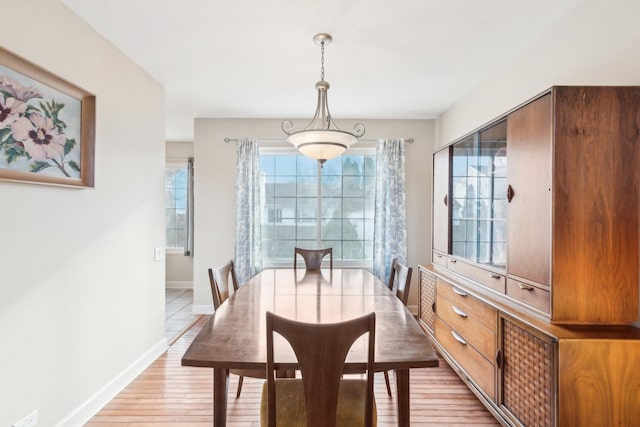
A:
[510,193]
[453,261]
[496,276]
[499,359]
[433,307]
[446,200]
[525,287]
[459,291]
[458,338]
[438,256]
[459,312]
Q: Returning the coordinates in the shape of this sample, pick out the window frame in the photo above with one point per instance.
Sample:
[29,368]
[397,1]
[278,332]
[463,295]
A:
[363,148]
[173,164]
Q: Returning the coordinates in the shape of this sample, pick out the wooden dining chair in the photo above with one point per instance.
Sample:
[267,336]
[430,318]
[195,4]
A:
[400,278]
[219,279]
[321,398]
[312,257]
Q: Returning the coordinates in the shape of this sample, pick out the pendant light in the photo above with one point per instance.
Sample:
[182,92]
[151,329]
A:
[321,139]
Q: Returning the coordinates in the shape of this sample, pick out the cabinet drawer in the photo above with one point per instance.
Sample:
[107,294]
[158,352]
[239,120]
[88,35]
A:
[488,278]
[475,333]
[439,259]
[472,306]
[535,297]
[477,368]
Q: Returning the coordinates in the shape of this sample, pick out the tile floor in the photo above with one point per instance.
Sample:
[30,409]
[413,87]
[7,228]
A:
[178,312]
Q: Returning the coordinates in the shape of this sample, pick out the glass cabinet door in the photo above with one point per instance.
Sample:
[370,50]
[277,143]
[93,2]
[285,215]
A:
[479,183]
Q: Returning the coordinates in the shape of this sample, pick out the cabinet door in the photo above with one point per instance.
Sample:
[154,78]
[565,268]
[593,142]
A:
[595,205]
[527,375]
[529,191]
[603,371]
[426,307]
[441,201]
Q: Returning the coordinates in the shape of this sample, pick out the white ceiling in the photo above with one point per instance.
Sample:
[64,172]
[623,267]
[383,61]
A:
[409,59]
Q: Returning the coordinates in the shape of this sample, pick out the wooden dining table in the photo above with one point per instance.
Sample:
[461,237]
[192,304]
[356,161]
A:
[235,335]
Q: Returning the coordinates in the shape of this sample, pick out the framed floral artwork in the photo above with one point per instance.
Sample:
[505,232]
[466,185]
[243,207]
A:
[47,126]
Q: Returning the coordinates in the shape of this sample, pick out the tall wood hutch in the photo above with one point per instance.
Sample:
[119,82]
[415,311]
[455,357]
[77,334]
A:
[532,294]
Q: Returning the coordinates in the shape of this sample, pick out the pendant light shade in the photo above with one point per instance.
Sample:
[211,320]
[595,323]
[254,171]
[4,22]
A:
[321,139]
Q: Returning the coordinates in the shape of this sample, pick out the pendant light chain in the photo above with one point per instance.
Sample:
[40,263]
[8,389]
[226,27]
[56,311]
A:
[322,139]
[322,61]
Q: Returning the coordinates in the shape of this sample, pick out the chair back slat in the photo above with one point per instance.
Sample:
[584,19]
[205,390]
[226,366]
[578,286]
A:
[321,350]
[312,257]
[400,280]
[219,280]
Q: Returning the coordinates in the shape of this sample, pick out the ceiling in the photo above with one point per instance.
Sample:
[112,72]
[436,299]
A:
[401,59]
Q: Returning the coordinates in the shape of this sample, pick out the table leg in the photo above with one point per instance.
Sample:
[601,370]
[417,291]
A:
[220,391]
[402,393]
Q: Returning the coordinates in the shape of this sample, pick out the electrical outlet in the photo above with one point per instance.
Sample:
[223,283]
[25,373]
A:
[28,421]
[158,254]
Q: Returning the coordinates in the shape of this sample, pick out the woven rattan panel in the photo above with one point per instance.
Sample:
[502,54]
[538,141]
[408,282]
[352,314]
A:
[427,298]
[527,376]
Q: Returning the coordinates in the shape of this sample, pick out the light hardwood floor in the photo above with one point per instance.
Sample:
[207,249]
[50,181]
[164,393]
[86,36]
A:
[168,394]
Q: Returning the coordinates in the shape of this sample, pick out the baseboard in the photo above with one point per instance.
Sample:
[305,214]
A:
[96,402]
[413,309]
[178,285]
[202,309]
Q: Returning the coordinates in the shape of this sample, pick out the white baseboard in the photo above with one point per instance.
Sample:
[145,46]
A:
[87,410]
[202,309]
[178,285]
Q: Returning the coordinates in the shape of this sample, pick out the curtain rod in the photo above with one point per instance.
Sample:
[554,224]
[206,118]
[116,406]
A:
[227,140]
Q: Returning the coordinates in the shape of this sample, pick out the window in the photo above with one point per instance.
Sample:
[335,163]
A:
[176,205]
[307,206]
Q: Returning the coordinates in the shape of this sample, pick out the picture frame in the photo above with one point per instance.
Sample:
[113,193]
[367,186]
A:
[47,126]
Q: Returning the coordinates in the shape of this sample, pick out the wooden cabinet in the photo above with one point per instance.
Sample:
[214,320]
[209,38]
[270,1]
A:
[544,334]
[573,158]
[527,371]
[571,193]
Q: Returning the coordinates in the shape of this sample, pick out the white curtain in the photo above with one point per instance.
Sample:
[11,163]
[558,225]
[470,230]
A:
[390,223]
[248,253]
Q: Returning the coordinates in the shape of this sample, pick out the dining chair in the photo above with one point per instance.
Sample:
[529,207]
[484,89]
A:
[313,257]
[400,278]
[321,398]
[219,279]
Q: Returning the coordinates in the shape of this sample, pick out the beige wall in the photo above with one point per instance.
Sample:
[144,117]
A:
[215,189]
[179,268]
[179,150]
[596,45]
[82,300]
